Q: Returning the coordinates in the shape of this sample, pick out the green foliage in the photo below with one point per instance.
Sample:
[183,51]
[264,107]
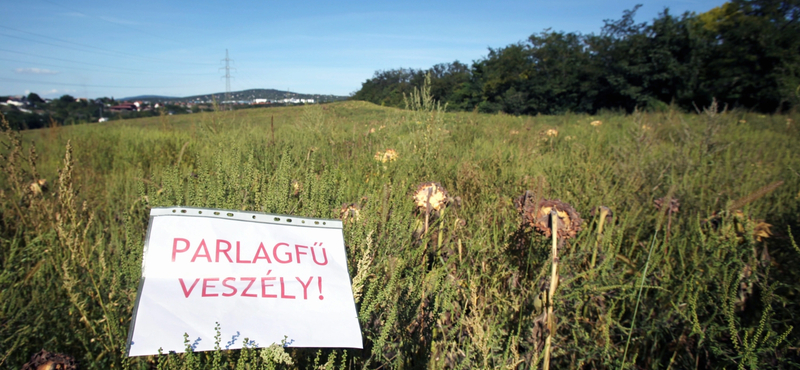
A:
[745,53]
[466,292]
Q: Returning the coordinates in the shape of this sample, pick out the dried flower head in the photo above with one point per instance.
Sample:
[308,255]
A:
[762,231]
[350,212]
[738,225]
[389,155]
[551,132]
[596,123]
[430,196]
[47,360]
[667,206]
[38,187]
[296,187]
[536,214]
[742,223]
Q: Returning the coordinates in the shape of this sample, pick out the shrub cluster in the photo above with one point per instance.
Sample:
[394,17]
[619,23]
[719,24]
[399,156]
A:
[745,53]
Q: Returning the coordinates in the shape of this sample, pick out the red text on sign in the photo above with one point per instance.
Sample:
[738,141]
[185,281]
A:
[243,286]
[282,253]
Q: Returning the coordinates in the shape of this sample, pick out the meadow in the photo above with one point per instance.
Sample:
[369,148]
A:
[692,264]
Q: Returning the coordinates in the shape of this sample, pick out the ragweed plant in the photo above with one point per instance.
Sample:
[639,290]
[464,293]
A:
[423,107]
[471,292]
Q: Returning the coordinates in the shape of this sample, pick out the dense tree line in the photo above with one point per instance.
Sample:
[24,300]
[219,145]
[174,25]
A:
[745,53]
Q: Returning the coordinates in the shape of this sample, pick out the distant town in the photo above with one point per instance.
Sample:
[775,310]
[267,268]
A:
[199,105]
[31,111]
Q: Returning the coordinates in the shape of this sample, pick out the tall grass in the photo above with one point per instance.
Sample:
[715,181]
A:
[466,292]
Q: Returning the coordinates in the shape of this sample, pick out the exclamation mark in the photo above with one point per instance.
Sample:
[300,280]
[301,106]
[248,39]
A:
[319,283]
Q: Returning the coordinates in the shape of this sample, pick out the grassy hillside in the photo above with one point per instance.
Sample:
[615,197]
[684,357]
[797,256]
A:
[709,282]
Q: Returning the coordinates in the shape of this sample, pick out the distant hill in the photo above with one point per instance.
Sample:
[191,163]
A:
[246,95]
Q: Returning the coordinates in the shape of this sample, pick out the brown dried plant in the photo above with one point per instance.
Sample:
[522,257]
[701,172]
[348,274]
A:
[430,197]
[668,205]
[44,360]
[350,212]
[536,214]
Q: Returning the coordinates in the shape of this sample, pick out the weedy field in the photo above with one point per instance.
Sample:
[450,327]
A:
[677,233]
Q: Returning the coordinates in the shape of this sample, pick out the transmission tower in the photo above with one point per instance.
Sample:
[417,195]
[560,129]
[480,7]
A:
[227,76]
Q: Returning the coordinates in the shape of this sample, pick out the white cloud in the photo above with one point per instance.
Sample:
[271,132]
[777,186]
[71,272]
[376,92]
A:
[35,71]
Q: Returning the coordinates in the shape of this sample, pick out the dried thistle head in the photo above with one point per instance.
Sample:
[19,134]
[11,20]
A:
[536,214]
[47,360]
[596,123]
[390,155]
[667,206]
[762,231]
[350,212]
[739,226]
[743,223]
[430,196]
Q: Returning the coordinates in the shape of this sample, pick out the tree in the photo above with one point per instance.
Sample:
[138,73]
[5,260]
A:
[66,99]
[755,46]
[562,76]
[745,53]
[35,99]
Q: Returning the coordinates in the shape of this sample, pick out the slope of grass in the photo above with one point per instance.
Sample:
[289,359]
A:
[466,293]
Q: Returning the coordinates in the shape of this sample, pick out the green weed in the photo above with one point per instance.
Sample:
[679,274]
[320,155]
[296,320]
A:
[466,291]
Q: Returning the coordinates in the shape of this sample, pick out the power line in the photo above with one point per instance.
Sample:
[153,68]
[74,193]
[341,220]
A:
[46,43]
[97,70]
[92,47]
[84,85]
[69,61]
[114,23]
[55,65]
[100,65]
[76,49]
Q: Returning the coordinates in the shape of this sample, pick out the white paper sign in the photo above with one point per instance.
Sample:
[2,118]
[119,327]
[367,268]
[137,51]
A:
[261,277]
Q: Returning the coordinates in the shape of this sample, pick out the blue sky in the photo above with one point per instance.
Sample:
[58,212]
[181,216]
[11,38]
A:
[101,48]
